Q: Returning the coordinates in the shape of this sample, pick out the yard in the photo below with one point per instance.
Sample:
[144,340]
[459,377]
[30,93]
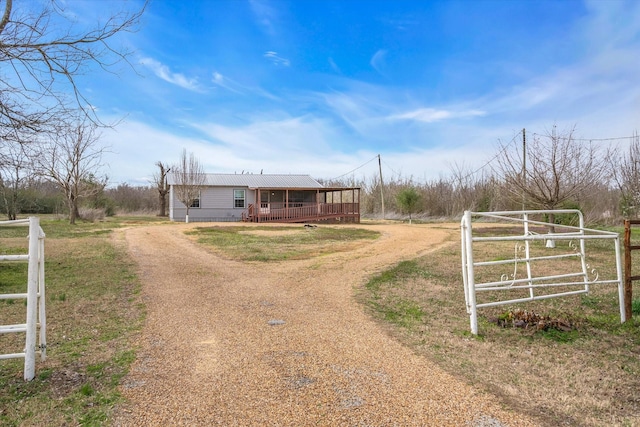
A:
[587,375]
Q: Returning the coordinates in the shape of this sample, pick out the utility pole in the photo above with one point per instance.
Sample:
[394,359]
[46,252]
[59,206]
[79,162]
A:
[381,185]
[524,165]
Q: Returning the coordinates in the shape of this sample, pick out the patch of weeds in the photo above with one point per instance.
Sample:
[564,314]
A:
[635,307]
[96,370]
[604,321]
[86,389]
[466,333]
[403,313]
[13,277]
[403,271]
[265,244]
[93,418]
[45,374]
[590,301]
[393,307]
[560,336]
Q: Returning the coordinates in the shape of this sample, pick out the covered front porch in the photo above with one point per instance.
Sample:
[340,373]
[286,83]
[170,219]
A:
[304,205]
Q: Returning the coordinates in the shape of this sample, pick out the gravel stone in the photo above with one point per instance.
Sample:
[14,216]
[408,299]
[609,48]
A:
[206,358]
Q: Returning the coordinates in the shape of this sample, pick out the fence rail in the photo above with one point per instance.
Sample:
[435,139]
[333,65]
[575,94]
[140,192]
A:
[576,279]
[35,296]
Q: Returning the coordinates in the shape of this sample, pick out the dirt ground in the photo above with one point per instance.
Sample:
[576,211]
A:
[283,344]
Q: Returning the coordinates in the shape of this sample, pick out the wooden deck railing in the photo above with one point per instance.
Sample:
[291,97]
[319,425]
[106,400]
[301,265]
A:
[301,212]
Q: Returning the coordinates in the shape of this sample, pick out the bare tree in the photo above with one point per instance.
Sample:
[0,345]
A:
[160,181]
[43,53]
[627,178]
[189,178]
[15,167]
[558,169]
[73,159]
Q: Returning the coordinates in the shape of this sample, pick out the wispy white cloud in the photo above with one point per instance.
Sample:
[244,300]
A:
[276,59]
[263,134]
[378,61]
[430,115]
[611,25]
[162,71]
[278,145]
[265,15]
[334,66]
[233,86]
[360,107]
[224,82]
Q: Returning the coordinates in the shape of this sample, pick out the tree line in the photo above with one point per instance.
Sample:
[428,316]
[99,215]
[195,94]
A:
[554,170]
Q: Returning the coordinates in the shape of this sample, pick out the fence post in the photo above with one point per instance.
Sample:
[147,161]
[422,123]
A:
[32,299]
[42,313]
[468,274]
[628,295]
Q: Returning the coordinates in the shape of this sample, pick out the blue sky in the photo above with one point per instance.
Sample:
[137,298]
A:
[322,87]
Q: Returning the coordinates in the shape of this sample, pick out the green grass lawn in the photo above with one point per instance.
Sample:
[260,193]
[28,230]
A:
[280,243]
[93,309]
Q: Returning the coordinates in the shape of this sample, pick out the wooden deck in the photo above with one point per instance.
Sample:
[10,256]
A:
[303,212]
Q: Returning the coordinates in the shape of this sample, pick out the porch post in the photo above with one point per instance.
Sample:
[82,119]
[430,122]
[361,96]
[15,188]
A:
[353,200]
[257,202]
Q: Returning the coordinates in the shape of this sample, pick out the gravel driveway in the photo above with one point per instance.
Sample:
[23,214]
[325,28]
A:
[283,344]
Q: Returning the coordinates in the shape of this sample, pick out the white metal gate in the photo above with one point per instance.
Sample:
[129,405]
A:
[570,278]
[35,296]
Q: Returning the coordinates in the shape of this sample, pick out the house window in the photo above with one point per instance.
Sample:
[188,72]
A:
[196,202]
[238,199]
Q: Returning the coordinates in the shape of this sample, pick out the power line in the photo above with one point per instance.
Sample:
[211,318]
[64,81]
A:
[391,169]
[498,154]
[506,146]
[618,138]
[488,162]
[353,170]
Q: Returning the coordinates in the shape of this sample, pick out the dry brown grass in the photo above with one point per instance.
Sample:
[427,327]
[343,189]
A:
[587,376]
[92,309]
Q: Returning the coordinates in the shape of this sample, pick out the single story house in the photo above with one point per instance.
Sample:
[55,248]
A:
[266,198]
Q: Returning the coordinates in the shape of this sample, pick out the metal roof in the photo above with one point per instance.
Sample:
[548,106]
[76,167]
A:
[256,181]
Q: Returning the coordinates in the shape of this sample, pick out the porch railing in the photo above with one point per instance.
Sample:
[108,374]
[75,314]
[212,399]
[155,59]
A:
[292,212]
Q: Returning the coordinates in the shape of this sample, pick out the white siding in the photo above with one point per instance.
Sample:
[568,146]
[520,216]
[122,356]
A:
[216,204]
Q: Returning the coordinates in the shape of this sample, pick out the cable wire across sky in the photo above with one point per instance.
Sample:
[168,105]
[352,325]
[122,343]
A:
[488,163]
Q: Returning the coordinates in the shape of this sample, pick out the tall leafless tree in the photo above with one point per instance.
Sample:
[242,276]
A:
[15,167]
[189,178]
[73,159]
[160,181]
[42,53]
[558,169]
[627,178]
